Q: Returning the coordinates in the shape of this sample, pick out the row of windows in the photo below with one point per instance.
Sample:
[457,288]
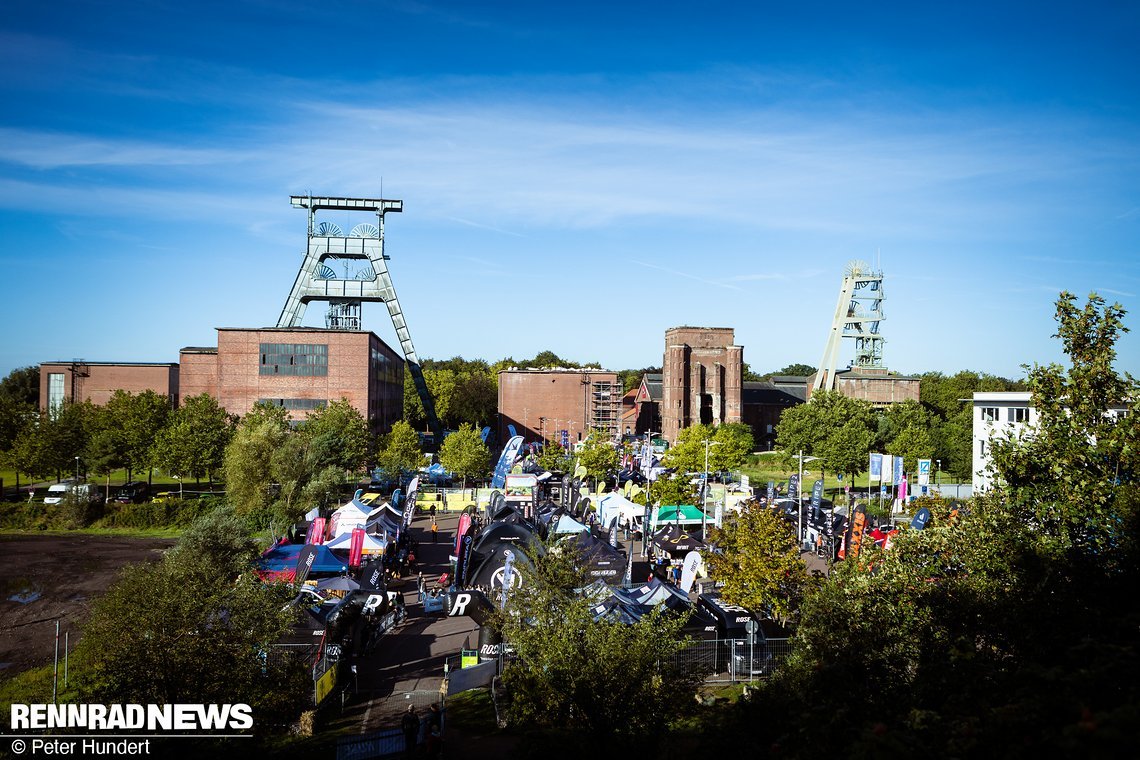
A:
[1014,414]
[303,359]
[296,404]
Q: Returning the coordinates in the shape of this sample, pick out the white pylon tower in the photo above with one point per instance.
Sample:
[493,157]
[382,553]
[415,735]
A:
[857,316]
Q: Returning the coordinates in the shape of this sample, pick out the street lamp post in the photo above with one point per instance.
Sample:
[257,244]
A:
[800,497]
[77,469]
[705,485]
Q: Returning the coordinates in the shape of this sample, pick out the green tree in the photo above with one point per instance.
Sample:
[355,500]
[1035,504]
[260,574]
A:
[1006,632]
[1066,472]
[758,562]
[249,455]
[345,439]
[631,378]
[598,456]
[912,443]
[946,399]
[554,458]
[194,441]
[22,385]
[182,630]
[464,454]
[619,682]
[400,450]
[830,426]
[729,447]
[135,421]
[15,416]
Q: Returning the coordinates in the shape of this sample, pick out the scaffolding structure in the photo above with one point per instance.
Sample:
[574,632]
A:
[605,407]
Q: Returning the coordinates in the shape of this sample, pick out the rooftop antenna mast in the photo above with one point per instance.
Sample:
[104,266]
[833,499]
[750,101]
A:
[363,246]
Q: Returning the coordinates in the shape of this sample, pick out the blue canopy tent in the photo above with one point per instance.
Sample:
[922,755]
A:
[280,562]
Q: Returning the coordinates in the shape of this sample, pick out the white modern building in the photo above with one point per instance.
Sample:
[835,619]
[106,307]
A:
[1005,414]
[997,415]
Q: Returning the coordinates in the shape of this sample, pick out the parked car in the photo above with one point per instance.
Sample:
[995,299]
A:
[135,492]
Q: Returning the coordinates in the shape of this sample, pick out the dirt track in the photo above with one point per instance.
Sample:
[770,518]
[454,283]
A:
[67,572]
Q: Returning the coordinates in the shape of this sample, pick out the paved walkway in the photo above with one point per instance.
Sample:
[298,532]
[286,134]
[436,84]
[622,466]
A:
[407,665]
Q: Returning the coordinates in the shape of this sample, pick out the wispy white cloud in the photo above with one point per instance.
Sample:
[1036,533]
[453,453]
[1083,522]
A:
[688,275]
[488,227]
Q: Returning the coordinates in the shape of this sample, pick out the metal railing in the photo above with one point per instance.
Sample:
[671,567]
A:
[389,742]
[733,660]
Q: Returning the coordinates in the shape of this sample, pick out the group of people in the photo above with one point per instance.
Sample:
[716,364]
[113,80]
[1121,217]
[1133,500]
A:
[410,725]
[664,568]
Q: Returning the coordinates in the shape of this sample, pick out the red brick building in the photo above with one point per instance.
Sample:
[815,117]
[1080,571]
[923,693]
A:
[78,380]
[876,385]
[547,401]
[300,369]
[701,378]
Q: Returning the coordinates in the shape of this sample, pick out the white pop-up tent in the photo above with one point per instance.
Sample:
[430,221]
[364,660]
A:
[351,515]
[613,507]
[372,544]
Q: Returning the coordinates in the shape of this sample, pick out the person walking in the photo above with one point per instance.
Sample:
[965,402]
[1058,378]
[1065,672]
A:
[410,725]
[434,530]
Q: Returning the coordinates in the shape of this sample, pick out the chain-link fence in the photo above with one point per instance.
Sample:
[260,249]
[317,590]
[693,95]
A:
[733,660]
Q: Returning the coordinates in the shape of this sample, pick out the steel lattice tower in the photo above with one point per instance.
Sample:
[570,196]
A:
[366,278]
[857,316]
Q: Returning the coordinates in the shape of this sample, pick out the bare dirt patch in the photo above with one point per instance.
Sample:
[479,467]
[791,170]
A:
[57,577]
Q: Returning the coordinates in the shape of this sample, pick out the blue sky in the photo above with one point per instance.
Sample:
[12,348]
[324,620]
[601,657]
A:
[575,177]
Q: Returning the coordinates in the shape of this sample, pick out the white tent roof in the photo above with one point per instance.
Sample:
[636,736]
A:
[372,544]
[567,524]
[613,506]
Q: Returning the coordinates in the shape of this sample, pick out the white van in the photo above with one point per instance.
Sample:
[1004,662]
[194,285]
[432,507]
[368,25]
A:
[84,491]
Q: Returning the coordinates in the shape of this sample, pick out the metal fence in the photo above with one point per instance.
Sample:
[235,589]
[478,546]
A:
[733,660]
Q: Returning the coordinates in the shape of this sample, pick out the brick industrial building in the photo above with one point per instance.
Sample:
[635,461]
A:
[540,402]
[300,369]
[701,378]
[78,380]
[876,385]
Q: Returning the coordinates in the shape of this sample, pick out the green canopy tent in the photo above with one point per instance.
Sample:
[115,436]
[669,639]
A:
[685,514]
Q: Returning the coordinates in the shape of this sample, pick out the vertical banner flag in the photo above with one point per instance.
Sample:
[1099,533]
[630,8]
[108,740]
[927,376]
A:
[794,487]
[410,506]
[876,467]
[689,570]
[506,459]
[371,575]
[924,472]
[902,492]
[356,547]
[898,470]
[771,490]
[508,577]
[887,469]
[816,494]
[316,533]
[305,562]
